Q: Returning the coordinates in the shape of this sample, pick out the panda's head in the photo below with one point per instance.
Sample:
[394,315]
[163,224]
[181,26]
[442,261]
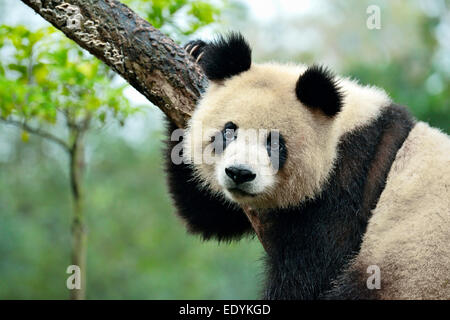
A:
[262,135]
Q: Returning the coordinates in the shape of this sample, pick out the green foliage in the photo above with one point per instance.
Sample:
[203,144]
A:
[413,77]
[179,17]
[45,74]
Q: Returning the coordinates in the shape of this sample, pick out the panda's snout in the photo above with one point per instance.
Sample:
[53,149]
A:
[239,175]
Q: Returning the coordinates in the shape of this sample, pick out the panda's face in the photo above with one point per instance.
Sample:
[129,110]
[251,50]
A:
[249,161]
[251,139]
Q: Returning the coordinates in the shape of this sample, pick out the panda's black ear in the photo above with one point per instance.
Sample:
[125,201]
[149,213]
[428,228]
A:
[317,88]
[226,56]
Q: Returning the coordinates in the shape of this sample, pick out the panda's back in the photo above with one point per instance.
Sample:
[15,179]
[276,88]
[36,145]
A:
[408,235]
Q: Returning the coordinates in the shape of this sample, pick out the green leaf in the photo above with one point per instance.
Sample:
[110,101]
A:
[17,67]
[25,136]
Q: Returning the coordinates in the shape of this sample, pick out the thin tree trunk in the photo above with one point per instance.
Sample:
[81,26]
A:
[79,235]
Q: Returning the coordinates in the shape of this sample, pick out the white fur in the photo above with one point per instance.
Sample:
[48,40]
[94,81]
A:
[251,154]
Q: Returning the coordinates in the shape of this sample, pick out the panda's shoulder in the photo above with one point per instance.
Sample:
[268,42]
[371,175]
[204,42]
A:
[407,234]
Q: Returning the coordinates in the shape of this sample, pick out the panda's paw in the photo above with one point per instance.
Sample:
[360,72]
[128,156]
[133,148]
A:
[195,49]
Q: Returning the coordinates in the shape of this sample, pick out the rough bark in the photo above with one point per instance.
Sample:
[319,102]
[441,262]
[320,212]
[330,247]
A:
[150,61]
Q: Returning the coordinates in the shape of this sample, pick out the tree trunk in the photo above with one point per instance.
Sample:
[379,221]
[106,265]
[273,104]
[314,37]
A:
[79,235]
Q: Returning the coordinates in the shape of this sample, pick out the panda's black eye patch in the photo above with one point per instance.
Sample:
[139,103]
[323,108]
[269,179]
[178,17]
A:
[229,133]
[223,139]
[230,125]
[276,149]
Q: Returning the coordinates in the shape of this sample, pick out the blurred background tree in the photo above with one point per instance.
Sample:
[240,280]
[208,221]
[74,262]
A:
[137,247]
[45,77]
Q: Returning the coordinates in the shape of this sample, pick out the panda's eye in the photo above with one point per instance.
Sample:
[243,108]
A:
[273,143]
[229,131]
[229,135]
[224,137]
[276,149]
[275,146]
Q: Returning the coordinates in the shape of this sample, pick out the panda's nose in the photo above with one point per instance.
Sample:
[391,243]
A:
[239,175]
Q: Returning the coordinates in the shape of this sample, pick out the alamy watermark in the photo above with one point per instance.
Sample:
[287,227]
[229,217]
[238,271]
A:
[374,280]
[74,280]
[374,17]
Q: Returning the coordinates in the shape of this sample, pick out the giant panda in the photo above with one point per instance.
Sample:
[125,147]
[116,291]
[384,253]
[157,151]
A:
[347,183]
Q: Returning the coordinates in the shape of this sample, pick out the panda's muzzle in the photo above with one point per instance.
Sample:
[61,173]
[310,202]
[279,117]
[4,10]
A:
[239,175]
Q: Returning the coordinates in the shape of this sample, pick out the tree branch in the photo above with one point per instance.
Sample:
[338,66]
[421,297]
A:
[39,132]
[150,61]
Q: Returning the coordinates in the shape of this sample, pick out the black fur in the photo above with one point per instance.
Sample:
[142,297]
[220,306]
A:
[224,57]
[223,138]
[310,245]
[204,213]
[195,43]
[317,88]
